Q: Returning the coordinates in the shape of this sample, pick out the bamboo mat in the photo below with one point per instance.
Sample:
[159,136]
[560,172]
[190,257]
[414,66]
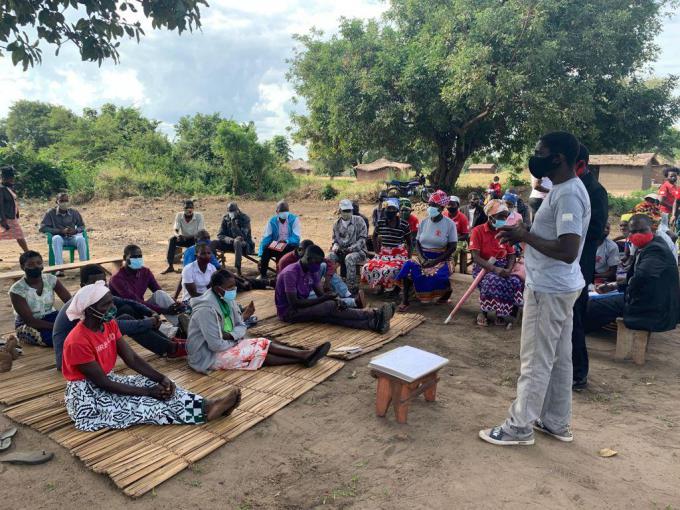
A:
[141,458]
[265,308]
[307,335]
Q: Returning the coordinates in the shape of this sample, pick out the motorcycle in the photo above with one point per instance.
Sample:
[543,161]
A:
[414,188]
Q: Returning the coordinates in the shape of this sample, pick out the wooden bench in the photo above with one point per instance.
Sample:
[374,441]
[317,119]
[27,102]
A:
[15,275]
[630,343]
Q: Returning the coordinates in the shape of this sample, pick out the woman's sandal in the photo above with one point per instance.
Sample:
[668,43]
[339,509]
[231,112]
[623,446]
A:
[482,321]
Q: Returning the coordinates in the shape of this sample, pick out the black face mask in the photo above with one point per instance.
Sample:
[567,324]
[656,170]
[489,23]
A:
[673,178]
[541,166]
[390,215]
[452,210]
[33,272]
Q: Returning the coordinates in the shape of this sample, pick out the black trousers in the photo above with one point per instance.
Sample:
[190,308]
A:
[603,311]
[173,243]
[579,350]
[268,254]
[153,340]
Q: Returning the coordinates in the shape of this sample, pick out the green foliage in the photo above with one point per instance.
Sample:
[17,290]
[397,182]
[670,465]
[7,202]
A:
[515,179]
[95,27]
[448,79]
[36,123]
[35,176]
[622,205]
[329,192]
[281,148]
[195,135]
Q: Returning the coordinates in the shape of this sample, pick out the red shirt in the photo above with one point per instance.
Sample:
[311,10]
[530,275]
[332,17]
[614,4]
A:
[82,345]
[668,193]
[292,257]
[496,187]
[461,221]
[483,239]
[413,223]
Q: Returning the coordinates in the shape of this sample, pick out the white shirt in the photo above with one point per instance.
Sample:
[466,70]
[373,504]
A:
[193,274]
[545,182]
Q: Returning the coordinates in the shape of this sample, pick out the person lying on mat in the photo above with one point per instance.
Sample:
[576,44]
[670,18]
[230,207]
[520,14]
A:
[143,331]
[32,299]
[293,304]
[281,235]
[98,398]
[436,241]
[217,335]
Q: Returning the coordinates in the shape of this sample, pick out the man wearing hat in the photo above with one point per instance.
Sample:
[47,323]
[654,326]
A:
[349,243]
[187,225]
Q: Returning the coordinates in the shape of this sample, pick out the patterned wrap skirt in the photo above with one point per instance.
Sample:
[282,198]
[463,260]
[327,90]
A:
[92,408]
[13,233]
[383,269]
[29,335]
[248,354]
[430,283]
[498,294]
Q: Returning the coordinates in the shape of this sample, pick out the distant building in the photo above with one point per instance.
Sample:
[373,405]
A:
[483,168]
[622,173]
[300,166]
[380,170]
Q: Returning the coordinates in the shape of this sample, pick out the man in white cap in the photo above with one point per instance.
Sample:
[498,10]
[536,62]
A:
[349,243]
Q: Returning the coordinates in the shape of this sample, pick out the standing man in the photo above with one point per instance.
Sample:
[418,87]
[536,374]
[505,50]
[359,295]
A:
[553,283]
[669,194]
[281,235]
[349,243]
[235,235]
[187,225]
[599,212]
[66,226]
[474,211]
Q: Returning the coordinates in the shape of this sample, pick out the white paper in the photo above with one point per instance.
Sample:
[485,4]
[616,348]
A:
[407,363]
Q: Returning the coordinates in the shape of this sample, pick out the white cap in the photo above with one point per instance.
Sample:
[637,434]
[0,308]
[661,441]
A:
[653,196]
[346,205]
[454,198]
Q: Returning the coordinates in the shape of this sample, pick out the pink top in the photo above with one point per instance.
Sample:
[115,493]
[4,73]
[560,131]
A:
[283,231]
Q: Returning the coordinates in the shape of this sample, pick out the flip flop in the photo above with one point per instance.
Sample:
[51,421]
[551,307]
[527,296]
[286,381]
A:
[27,457]
[5,444]
[318,353]
[8,433]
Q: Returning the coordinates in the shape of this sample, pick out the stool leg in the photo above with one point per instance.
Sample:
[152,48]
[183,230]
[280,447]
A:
[383,397]
[624,341]
[401,402]
[640,342]
[431,393]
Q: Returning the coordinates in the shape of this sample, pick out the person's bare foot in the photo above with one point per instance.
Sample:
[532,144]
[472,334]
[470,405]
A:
[223,406]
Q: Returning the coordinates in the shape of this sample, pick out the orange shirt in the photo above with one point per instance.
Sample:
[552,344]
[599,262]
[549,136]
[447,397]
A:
[483,239]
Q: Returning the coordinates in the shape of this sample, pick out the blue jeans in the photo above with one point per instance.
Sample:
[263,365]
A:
[339,287]
[77,241]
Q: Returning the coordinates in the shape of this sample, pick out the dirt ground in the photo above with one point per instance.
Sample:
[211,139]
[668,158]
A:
[329,450]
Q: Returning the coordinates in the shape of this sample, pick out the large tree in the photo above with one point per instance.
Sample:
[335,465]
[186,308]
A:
[36,123]
[94,26]
[463,76]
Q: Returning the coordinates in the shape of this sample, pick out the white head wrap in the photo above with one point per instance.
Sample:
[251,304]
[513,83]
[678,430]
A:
[84,298]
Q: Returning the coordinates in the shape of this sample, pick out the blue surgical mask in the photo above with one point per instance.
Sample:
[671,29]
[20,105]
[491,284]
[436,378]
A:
[230,295]
[136,263]
[283,215]
[433,212]
[497,223]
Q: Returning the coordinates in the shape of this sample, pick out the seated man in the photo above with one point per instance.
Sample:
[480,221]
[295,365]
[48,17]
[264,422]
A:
[187,225]
[651,295]
[132,282]
[281,236]
[331,281]
[66,226]
[143,331]
[606,258]
[294,285]
[235,235]
[349,243]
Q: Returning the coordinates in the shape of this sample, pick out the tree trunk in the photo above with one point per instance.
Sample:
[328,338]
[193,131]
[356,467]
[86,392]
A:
[452,155]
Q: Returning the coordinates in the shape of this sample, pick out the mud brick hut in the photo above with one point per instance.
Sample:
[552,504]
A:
[380,170]
[483,168]
[300,166]
[622,173]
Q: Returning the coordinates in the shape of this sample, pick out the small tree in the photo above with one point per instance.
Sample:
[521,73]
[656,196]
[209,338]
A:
[281,148]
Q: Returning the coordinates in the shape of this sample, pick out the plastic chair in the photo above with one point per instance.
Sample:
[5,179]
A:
[70,249]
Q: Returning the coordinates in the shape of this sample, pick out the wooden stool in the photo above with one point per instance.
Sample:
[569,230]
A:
[403,374]
[630,343]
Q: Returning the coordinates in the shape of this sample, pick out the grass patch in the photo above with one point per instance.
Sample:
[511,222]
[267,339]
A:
[348,490]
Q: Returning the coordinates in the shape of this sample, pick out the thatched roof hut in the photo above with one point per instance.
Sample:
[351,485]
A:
[379,169]
[623,173]
[300,166]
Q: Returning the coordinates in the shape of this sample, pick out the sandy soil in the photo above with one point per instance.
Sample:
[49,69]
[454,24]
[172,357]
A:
[328,449]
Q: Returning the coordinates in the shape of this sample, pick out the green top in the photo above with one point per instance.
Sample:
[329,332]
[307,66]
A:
[228,325]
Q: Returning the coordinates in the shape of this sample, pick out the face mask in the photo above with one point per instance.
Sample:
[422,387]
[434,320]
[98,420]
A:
[433,212]
[390,215]
[105,317]
[452,210]
[232,215]
[345,215]
[497,223]
[33,272]
[313,268]
[63,205]
[283,216]
[541,166]
[673,178]
[136,263]
[405,214]
[229,295]
[188,214]
[641,240]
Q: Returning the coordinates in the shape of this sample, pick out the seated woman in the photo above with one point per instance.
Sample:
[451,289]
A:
[196,275]
[33,301]
[217,335]
[392,244]
[97,398]
[435,243]
[500,290]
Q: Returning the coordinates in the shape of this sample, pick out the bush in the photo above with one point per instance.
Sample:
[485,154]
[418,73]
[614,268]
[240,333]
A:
[515,179]
[36,177]
[329,192]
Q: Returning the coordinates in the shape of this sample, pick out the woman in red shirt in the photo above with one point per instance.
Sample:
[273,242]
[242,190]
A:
[98,398]
[500,291]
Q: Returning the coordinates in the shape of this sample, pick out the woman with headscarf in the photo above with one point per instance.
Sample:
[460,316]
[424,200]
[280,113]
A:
[98,398]
[435,243]
[392,245]
[500,290]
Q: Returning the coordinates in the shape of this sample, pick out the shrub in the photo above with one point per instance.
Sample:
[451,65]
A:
[329,192]
[36,177]
[515,179]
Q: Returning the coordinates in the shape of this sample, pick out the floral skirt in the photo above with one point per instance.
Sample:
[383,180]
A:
[499,294]
[92,408]
[383,269]
[248,354]
[13,233]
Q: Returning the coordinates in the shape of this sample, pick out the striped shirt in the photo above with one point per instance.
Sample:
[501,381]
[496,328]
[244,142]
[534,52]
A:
[392,236]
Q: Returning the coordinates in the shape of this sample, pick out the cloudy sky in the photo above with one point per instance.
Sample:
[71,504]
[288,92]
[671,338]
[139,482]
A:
[235,66]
